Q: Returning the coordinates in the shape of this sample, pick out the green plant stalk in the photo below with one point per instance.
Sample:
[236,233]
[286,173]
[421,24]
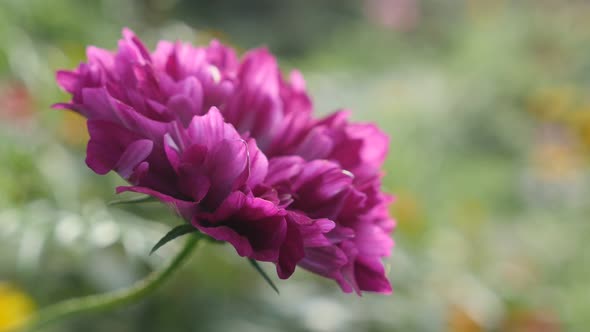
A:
[112,300]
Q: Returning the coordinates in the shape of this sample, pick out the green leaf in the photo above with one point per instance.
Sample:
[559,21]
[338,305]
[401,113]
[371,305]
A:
[173,234]
[133,200]
[263,274]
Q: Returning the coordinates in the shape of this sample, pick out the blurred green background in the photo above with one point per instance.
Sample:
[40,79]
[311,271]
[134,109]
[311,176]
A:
[488,110]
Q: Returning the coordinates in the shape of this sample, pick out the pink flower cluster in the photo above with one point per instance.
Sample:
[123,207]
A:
[234,148]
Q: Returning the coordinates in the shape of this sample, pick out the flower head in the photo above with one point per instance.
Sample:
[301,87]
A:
[234,148]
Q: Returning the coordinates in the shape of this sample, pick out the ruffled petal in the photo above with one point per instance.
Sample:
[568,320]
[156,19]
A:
[255,227]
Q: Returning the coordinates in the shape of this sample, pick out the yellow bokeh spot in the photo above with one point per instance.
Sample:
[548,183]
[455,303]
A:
[553,104]
[73,129]
[409,214]
[15,307]
[555,161]
[580,122]
[460,321]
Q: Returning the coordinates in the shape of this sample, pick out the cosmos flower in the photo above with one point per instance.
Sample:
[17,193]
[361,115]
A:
[234,148]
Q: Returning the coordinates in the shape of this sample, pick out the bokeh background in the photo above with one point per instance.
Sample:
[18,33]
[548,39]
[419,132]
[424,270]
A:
[488,110]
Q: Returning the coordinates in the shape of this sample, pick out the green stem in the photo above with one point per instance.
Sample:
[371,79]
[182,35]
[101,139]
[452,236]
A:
[113,299]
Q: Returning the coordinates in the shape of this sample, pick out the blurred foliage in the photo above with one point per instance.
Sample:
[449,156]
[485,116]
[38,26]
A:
[486,103]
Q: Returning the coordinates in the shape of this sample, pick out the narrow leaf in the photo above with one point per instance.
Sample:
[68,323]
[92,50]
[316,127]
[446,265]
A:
[133,200]
[173,234]
[263,274]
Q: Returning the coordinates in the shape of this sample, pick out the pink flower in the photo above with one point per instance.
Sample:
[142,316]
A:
[234,148]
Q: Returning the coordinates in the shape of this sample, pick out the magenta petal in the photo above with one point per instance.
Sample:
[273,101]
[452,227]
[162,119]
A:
[340,233]
[316,145]
[370,276]
[187,100]
[172,152]
[222,57]
[258,164]
[228,168]
[136,43]
[291,252]
[255,227]
[284,169]
[191,170]
[100,106]
[161,54]
[259,69]
[139,172]
[370,147]
[312,231]
[210,129]
[134,154]
[227,234]
[139,123]
[321,189]
[199,187]
[97,104]
[315,234]
[102,57]
[183,107]
[68,80]
[373,241]
[194,157]
[255,107]
[325,261]
[107,144]
[376,142]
